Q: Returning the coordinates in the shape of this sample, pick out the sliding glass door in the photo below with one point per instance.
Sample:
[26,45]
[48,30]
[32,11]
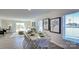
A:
[71,27]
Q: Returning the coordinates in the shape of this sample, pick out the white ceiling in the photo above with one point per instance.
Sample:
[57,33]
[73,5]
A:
[22,13]
[33,13]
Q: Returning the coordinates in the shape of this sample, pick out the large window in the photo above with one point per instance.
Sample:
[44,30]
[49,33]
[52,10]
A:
[20,27]
[71,27]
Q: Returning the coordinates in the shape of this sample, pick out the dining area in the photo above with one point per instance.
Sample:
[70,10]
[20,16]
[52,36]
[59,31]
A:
[38,40]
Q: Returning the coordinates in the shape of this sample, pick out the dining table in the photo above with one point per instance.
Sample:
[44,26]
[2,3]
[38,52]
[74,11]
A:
[37,40]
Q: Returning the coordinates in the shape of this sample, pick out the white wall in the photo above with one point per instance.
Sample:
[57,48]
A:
[0,23]
[5,24]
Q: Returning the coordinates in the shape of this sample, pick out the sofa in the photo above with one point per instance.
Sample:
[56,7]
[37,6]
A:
[2,31]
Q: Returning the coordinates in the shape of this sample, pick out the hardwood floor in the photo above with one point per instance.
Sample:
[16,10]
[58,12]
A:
[13,41]
[9,42]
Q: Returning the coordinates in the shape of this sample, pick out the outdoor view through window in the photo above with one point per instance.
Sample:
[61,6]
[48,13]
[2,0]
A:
[72,27]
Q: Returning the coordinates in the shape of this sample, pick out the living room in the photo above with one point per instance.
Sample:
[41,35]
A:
[16,24]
